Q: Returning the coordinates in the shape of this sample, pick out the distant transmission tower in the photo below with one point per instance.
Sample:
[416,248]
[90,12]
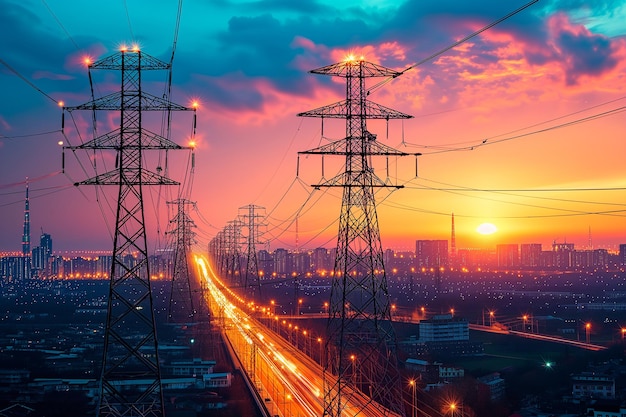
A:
[130,382]
[252,220]
[361,343]
[181,305]
[233,251]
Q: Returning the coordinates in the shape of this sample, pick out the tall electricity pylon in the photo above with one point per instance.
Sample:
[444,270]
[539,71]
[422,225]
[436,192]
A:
[130,381]
[181,305]
[252,221]
[361,343]
[232,247]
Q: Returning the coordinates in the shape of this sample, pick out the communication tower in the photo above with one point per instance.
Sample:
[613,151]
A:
[130,380]
[26,234]
[359,325]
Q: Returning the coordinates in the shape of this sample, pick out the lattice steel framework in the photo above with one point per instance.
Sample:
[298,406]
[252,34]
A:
[130,380]
[252,220]
[232,248]
[361,343]
[181,304]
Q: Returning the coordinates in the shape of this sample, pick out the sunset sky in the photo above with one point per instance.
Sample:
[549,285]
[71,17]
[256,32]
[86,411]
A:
[522,126]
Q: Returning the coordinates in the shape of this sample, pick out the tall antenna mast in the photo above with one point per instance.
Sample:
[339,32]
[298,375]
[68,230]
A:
[359,324]
[26,235]
[130,381]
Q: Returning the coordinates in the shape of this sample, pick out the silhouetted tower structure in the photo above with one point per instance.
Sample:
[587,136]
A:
[359,325]
[252,220]
[234,251]
[26,234]
[181,304]
[130,380]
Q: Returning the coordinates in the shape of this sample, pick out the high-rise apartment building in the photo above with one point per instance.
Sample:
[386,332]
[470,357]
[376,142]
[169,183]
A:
[508,255]
[431,253]
[530,255]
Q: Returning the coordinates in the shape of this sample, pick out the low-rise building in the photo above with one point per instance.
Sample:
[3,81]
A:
[589,385]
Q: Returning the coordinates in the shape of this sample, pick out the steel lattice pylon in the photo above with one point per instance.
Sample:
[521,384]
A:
[251,220]
[181,304]
[361,343]
[130,381]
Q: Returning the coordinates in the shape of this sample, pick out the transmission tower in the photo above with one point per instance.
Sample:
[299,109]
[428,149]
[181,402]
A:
[130,381]
[232,248]
[252,221]
[181,305]
[361,343]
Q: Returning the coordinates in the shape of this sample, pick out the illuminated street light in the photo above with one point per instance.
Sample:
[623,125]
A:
[319,340]
[587,329]
[353,359]
[414,398]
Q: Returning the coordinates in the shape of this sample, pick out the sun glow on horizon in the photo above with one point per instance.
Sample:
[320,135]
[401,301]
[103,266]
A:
[487,229]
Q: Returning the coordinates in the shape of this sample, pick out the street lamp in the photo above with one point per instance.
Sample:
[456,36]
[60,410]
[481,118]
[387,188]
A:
[587,328]
[491,316]
[353,359]
[524,317]
[319,340]
[414,398]
[623,333]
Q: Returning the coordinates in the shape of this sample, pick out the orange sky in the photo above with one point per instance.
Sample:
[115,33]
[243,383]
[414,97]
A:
[548,66]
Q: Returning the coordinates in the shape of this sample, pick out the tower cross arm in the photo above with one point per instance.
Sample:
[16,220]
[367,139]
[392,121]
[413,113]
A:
[341,147]
[112,140]
[368,69]
[114,102]
[117,62]
[347,180]
[131,177]
[340,110]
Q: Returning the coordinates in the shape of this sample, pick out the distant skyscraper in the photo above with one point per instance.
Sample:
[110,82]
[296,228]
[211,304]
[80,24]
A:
[622,254]
[431,253]
[530,255]
[26,235]
[508,255]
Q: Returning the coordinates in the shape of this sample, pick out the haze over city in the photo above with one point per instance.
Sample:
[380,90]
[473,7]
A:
[485,116]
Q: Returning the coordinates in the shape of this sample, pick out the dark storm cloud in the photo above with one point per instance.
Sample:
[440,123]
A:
[263,47]
[585,54]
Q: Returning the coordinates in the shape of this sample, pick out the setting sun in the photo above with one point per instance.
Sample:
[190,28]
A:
[487,229]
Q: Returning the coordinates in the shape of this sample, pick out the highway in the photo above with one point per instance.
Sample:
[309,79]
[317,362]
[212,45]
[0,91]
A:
[538,336]
[288,382]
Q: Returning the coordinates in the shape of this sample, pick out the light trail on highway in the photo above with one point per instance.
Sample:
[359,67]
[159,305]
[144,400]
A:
[289,383]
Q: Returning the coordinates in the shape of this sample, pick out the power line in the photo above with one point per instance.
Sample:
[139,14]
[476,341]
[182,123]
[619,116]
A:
[60,24]
[486,142]
[454,45]
[30,134]
[27,81]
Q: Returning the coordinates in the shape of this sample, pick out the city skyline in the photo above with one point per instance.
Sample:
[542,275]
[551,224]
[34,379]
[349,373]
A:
[473,108]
